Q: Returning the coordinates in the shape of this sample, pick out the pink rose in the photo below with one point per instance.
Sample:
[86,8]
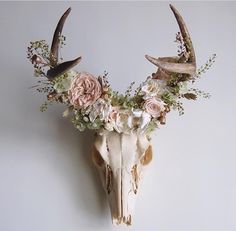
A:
[154,107]
[85,90]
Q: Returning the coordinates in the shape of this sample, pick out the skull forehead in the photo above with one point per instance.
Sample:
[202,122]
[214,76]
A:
[121,150]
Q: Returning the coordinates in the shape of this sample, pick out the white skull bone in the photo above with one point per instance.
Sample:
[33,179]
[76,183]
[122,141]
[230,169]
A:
[120,159]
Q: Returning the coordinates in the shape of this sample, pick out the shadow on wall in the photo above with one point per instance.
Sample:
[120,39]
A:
[74,163]
[48,140]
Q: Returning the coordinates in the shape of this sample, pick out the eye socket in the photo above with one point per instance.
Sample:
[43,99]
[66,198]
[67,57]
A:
[147,157]
[97,158]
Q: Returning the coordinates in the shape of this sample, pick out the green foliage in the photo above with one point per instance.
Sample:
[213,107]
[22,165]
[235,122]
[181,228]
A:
[40,48]
[39,55]
[175,88]
[44,106]
[81,121]
[151,126]
[168,98]
[126,101]
[129,90]
[62,41]
[58,80]
[200,93]
[205,67]
[179,106]
[180,44]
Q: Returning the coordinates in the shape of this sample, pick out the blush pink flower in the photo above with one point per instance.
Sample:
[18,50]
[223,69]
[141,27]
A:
[154,107]
[85,90]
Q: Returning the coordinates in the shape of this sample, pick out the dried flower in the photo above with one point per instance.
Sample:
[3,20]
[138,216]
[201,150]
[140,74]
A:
[93,104]
[85,90]
[100,109]
[119,120]
[153,87]
[154,107]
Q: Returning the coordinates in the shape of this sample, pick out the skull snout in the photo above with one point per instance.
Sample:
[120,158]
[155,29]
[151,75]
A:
[120,165]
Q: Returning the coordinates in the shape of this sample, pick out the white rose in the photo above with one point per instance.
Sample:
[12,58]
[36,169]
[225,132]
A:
[119,120]
[140,119]
[100,109]
[153,87]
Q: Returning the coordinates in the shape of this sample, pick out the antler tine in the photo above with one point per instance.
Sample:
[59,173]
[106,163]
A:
[59,69]
[184,68]
[62,68]
[56,38]
[185,34]
[171,64]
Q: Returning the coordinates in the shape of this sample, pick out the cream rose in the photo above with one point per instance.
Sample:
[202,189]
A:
[154,107]
[100,109]
[153,87]
[118,119]
[125,120]
[85,90]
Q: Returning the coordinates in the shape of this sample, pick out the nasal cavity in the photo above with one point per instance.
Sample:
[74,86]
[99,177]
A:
[147,157]
[97,158]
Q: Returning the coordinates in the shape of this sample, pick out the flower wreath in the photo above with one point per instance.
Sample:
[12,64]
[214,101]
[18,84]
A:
[92,103]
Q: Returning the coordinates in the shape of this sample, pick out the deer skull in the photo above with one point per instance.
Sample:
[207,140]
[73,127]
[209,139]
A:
[121,159]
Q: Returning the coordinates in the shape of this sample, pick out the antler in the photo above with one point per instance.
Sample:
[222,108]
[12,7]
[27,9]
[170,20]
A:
[59,69]
[176,64]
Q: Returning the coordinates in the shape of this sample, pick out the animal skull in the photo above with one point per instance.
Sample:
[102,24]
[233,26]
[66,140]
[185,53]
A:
[121,160]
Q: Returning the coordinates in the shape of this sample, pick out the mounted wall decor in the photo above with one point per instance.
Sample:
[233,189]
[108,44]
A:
[123,123]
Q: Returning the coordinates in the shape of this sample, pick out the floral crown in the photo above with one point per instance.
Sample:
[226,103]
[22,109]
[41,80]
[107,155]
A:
[92,103]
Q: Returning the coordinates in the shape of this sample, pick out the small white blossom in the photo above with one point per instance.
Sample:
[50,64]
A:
[183,87]
[66,112]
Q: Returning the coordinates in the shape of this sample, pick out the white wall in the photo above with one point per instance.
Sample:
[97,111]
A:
[47,181]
